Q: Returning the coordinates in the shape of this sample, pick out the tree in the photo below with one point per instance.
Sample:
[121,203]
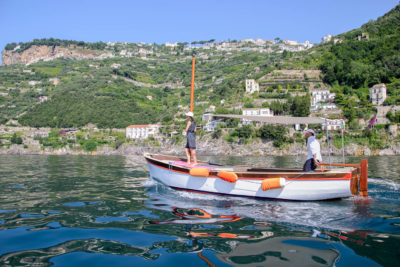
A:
[273,132]
[300,105]
[10,46]
[285,54]
[16,139]
[90,145]
[217,133]
[244,132]
[232,123]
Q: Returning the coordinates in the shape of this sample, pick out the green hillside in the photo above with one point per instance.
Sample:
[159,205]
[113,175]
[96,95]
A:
[149,83]
[375,58]
[120,91]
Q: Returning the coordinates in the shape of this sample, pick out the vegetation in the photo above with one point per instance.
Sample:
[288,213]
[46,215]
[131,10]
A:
[277,133]
[54,42]
[370,61]
[16,139]
[123,90]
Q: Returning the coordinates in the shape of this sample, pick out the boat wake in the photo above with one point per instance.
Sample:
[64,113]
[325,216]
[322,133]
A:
[392,185]
[347,214]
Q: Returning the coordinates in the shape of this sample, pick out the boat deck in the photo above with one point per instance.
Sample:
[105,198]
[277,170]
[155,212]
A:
[244,170]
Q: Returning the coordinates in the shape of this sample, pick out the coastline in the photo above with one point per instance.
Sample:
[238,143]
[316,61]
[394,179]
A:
[207,147]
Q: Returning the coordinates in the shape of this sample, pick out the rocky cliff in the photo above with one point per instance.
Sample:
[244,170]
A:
[46,53]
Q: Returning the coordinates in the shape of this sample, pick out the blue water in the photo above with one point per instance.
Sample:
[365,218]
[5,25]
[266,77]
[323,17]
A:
[104,210]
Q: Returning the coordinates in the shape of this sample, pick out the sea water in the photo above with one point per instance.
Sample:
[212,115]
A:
[104,210]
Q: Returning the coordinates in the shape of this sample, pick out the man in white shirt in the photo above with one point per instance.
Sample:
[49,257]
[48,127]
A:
[314,152]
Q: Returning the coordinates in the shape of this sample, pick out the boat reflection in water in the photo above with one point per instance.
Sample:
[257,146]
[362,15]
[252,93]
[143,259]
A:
[252,245]
[282,251]
[259,248]
[251,237]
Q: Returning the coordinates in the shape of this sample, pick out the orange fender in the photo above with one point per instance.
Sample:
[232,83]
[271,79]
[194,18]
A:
[193,234]
[227,235]
[230,177]
[272,183]
[199,172]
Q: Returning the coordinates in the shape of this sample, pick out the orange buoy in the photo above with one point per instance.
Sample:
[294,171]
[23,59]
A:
[230,177]
[199,172]
[272,183]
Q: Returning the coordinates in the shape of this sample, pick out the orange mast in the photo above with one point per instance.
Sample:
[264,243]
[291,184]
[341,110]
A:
[192,86]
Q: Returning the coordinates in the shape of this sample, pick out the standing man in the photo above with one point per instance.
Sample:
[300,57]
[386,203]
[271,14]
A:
[190,148]
[314,152]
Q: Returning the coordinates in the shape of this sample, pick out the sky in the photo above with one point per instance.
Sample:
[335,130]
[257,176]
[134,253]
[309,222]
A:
[160,21]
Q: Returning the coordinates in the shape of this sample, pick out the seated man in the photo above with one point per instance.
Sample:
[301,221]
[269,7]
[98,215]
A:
[314,152]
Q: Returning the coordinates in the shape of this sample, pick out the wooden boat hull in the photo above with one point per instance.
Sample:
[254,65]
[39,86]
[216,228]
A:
[299,186]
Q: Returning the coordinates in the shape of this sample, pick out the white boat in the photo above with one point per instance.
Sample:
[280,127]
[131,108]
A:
[263,183]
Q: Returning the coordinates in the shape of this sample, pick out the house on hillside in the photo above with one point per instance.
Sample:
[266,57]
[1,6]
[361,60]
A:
[55,81]
[210,109]
[212,125]
[167,44]
[252,86]
[333,124]
[33,83]
[377,94]
[42,99]
[290,42]
[363,36]
[207,117]
[327,38]
[262,112]
[323,107]
[322,100]
[141,131]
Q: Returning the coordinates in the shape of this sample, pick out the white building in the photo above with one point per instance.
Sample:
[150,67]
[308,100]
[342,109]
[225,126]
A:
[42,98]
[115,65]
[323,107]
[211,125]
[257,112]
[260,42]
[33,83]
[262,112]
[290,42]
[321,96]
[210,109]
[322,99]
[327,38]
[377,93]
[207,117]
[333,124]
[55,81]
[252,86]
[141,131]
[167,44]
[248,40]
[307,44]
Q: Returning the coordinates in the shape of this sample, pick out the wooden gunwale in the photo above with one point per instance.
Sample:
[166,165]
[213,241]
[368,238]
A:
[247,175]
